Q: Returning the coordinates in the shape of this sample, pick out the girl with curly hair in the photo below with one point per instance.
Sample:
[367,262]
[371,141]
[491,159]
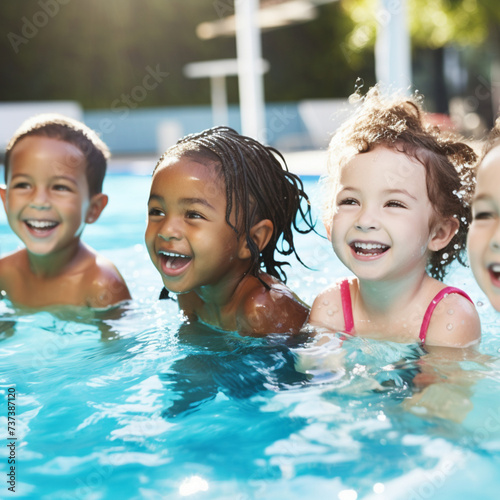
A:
[396,214]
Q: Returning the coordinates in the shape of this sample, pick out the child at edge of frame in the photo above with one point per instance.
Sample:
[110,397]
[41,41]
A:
[483,240]
[54,171]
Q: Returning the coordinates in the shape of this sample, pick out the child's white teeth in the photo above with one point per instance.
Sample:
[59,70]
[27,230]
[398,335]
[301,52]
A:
[368,246]
[173,254]
[41,224]
[495,268]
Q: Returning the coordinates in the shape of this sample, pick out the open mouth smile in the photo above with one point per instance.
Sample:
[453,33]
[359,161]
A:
[173,263]
[365,250]
[41,227]
[494,270]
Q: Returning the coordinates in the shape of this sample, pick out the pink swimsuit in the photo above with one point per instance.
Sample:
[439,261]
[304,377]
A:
[345,295]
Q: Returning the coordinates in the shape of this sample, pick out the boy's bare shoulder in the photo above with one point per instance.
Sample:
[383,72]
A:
[12,265]
[12,258]
[326,311]
[271,310]
[454,323]
[105,284]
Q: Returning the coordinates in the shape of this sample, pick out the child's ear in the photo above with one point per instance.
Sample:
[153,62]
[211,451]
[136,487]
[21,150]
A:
[442,233]
[97,204]
[260,233]
[328,227]
[3,194]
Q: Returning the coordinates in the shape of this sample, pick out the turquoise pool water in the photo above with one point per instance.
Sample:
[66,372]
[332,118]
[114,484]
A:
[139,406]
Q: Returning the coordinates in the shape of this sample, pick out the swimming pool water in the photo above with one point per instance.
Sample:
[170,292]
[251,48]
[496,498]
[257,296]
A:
[144,406]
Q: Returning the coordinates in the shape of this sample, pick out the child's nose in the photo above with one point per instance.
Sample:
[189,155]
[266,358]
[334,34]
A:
[170,229]
[40,200]
[367,220]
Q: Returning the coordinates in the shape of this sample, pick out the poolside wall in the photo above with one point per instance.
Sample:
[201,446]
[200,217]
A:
[290,126]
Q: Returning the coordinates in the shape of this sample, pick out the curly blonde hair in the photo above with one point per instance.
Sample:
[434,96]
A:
[399,123]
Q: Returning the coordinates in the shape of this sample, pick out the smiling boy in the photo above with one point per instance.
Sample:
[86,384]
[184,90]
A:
[54,170]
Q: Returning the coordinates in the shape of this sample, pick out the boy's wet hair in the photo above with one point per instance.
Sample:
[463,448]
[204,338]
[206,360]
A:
[258,186]
[66,129]
[399,123]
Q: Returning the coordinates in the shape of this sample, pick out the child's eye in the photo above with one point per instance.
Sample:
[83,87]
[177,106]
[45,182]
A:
[155,212]
[21,185]
[483,215]
[191,214]
[61,187]
[348,201]
[394,203]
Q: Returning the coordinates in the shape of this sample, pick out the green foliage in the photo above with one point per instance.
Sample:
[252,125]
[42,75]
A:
[311,60]
[432,23]
[98,52]
[93,51]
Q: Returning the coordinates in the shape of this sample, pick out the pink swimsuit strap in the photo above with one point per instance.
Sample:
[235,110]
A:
[345,296]
[434,302]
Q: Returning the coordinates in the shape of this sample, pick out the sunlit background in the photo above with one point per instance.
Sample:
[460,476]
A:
[153,413]
[126,68]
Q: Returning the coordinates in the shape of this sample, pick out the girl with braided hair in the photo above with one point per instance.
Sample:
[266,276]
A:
[396,214]
[221,206]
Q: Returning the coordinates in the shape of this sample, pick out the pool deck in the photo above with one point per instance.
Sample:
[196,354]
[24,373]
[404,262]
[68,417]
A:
[299,162]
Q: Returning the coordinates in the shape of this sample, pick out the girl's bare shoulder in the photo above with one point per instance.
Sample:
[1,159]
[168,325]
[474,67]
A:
[326,310]
[454,323]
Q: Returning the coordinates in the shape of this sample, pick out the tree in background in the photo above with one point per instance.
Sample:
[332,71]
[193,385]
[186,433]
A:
[95,51]
[442,31]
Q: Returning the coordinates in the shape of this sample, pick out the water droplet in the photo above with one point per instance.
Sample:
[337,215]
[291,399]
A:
[449,326]
[378,488]
[330,312]
[450,311]
[445,256]
[479,303]
[326,302]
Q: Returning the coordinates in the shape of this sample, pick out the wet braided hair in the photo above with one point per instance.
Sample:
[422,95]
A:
[399,123]
[258,186]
